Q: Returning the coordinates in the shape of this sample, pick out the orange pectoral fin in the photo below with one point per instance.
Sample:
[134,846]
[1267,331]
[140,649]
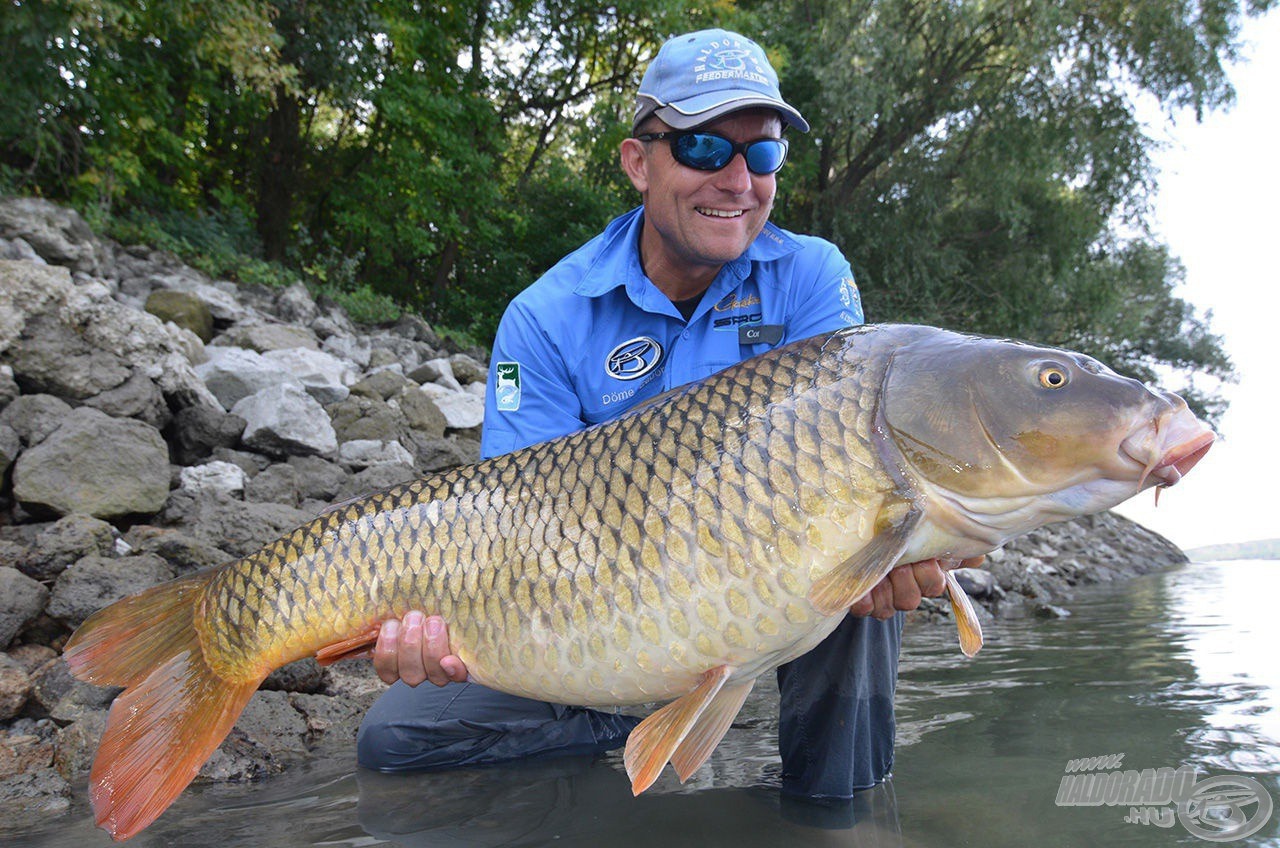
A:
[360,645]
[845,584]
[655,740]
[967,624]
[710,728]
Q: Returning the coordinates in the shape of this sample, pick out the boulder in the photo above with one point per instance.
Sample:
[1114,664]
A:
[10,447]
[366,418]
[181,550]
[265,337]
[95,581]
[462,411]
[318,479]
[22,752]
[295,305]
[219,478]
[236,527]
[437,371]
[467,370]
[184,309]
[34,417]
[15,687]
[19,250]
[354,349]
[32,798]
[323,375]
[32,295]
[234,373]
[58,234]
[66,540]
[304,675]
[21,602]
[416,329]
[137,397]
[51,357]
[382,385]
[421,413]
[8,386]
[275,484]
[285,420]
[77,744]
[197,431]
[362,453]
[376,478]
[95,465]
[431,455]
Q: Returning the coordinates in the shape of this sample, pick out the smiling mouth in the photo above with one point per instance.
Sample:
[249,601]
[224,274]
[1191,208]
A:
[719,213]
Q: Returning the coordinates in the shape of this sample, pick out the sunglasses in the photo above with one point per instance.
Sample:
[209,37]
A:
[706,151]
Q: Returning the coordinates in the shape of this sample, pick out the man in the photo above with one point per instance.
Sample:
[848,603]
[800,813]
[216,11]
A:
[693,281]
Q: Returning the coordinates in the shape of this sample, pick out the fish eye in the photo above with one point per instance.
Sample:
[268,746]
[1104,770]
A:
[1053,377]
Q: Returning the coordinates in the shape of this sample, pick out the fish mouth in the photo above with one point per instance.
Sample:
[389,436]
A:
[1169,449]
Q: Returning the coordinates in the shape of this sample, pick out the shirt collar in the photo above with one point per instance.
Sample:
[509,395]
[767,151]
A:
[618,261]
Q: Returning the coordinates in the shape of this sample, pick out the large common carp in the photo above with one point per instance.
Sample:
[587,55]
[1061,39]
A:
[680,551]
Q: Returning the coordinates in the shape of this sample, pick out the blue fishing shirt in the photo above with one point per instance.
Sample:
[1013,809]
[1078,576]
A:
[594,336]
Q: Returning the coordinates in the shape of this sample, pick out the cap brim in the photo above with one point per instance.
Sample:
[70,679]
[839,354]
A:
[696,111]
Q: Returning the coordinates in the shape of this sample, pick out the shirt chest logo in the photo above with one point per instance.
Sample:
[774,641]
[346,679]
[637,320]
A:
[634,358]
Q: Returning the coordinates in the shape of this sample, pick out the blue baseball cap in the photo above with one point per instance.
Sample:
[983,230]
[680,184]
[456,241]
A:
[698,77]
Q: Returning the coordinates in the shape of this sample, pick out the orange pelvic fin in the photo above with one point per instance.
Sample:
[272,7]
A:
[655,740]
[710,728]
[360,645]
[171,717]
[967,624]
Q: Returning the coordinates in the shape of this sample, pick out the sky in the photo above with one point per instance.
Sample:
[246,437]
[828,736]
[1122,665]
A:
[1218,208]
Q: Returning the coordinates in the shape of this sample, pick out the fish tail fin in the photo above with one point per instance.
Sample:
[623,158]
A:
[174,711]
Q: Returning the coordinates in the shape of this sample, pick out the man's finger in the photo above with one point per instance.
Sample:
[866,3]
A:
[409,652]
[906,591]
[929,578]
[435,647]
[384,652]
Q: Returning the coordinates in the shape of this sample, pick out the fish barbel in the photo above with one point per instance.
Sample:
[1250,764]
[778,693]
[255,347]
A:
[679,551]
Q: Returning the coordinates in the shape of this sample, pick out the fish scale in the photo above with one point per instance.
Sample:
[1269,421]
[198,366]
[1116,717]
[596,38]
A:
[680,551]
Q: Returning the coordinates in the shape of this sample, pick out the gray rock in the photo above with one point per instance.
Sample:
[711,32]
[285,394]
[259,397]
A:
[264,337]
[95,465]
[137,397]
[8,386]
[388,350]
[381,385]
[55,693]
[377,478]
[58,234]
[353,680]
[431,455]
[34,417]
[977,583]
[467,370]
[236,527]
[32,296]
[294,305]
[21,602]
[66,540]
[252,463]
[271,722]
[477,389]
[366,418]
[421,414]
[184,309]
[198,430]
[462,411]
[363,453]
[93,582]
[234,373]
[31,798]
[437,371]
[285,420]
[20,250]
[304,675]
[354,349]
[323,375]
[77,743]
[412,327]
[10,448]
[276,484]
[331,722]
[32,657]
[51,357]
[22,752]
[184,553]
[214,478]
[15,687]
[318,479]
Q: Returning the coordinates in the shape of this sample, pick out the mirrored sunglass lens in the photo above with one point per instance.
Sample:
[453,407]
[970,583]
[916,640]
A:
[766,156]
[704,151]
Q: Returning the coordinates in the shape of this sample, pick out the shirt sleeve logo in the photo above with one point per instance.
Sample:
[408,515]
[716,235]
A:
[634,358]
[507,390]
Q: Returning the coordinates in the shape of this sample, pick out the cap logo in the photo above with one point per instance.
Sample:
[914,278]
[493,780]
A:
[723,60]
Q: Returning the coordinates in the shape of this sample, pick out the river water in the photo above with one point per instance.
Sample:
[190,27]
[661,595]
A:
[1175,670]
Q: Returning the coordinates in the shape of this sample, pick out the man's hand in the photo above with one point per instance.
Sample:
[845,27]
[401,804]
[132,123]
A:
[417,649]
[906,585]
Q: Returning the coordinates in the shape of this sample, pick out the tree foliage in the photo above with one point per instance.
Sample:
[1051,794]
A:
[981,163]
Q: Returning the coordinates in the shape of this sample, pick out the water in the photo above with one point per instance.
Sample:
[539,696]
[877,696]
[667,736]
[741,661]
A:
[1168,670]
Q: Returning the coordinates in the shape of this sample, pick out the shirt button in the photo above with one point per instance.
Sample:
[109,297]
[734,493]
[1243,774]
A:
[685,334]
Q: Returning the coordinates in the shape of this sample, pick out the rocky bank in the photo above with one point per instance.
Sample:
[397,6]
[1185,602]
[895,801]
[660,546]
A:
[154,421]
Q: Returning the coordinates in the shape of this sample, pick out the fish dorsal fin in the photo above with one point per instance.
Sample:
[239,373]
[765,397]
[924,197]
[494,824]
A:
[841,587]
[653,742]
[967,624]
[710,728]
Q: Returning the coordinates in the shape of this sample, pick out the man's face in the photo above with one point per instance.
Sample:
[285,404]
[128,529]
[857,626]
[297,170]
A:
[696,221]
